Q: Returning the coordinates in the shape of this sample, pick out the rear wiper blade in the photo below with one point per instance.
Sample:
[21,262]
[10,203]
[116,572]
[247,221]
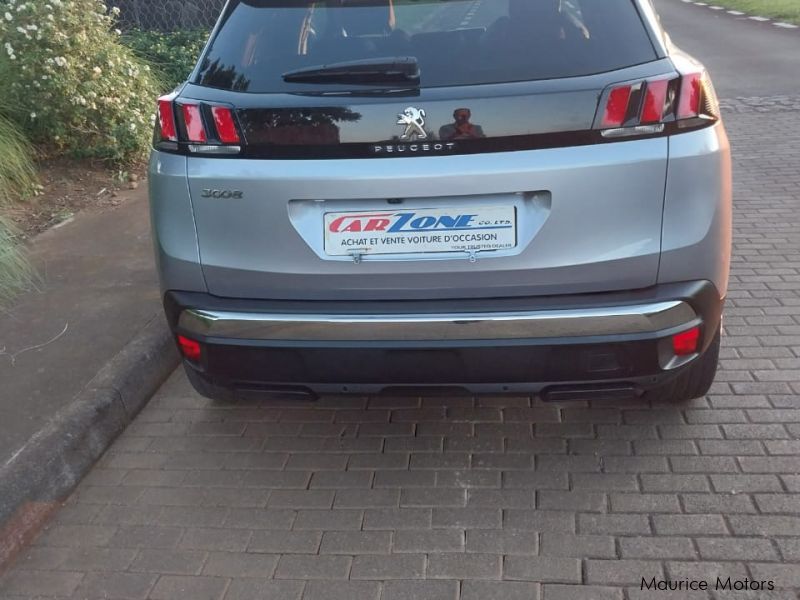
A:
[397,69]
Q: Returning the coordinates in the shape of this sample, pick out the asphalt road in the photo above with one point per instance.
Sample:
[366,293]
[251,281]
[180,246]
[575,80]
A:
[745,58]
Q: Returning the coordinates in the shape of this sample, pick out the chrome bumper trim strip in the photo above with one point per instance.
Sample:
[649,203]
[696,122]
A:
[619,320]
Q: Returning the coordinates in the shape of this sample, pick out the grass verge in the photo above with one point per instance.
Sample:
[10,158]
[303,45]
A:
[780,10]
[17,180]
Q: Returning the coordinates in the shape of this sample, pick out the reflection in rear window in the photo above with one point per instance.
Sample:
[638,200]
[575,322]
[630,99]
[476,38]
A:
[456,42]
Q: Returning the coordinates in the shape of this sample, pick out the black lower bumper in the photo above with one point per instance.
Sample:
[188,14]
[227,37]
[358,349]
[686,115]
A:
[633,362]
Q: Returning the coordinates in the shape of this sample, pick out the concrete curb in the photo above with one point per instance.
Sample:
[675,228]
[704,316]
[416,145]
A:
[44,471]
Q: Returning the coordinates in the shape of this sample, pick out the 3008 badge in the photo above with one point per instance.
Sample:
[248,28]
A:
[420,231]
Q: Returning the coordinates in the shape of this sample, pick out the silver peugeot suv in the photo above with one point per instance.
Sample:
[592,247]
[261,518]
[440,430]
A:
[476,196]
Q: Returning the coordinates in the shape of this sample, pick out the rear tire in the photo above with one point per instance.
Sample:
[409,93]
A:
[694,381]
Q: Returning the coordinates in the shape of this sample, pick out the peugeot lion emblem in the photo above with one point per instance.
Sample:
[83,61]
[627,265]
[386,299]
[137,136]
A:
[414,121]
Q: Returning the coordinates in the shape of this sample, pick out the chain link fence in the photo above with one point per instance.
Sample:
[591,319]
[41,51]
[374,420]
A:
[168,15]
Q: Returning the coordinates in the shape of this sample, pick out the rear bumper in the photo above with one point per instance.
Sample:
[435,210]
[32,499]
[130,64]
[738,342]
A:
[521,345]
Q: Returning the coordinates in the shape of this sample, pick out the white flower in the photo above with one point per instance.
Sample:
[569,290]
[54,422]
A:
[60,61]
[9,17]
[33,115]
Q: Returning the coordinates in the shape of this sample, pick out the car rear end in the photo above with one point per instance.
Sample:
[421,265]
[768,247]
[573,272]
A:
[489,196]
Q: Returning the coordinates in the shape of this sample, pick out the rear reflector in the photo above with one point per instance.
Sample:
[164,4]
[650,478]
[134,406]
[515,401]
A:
[195,130]
[166,119]
[226,128]
[190,349]
[687,342]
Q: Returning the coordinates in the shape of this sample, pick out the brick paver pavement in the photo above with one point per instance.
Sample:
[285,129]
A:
[496,498]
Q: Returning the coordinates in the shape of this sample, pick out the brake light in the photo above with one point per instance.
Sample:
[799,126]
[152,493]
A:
[226,128]
[646,107]
[190,349]
[166,119]
[195,130]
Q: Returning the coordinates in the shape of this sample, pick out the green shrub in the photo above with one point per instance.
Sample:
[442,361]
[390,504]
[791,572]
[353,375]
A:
[172,55]
[84,91]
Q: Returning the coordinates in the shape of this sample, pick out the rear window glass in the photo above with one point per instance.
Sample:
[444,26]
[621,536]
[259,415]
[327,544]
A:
[456,42]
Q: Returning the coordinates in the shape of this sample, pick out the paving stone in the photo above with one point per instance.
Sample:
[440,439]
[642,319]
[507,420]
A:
[421,590]
[178,587]
[342,590]
[302,566]
[76,536]
[285,542]
[134,536]
[256,518]
[738,548]
[264,589]
[356,542]
[620,572]
[617,524]
[580,592]
[677,548]
[689,524]
[398,518]
[542,569]
[577,546]
[464,566]
[45,583]
[467,518]
[765,525]
[500,498]
[468,479]
[229,540]
[423,497]
[239,564]
[645,503]
[429,541]
[539,520]
[301,499]
[169,562]
[500,590]
[577,500]
[346,498]
[396,566]
[504,541]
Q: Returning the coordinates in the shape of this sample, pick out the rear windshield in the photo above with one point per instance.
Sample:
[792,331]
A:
[455,42]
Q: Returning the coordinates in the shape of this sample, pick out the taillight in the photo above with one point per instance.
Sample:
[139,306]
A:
[655,101]
[226,128]
[617,106]
[196,127]
[166,119]
[646,107]
[691,94]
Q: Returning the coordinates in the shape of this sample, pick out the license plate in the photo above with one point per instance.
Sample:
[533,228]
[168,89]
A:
[421,231]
